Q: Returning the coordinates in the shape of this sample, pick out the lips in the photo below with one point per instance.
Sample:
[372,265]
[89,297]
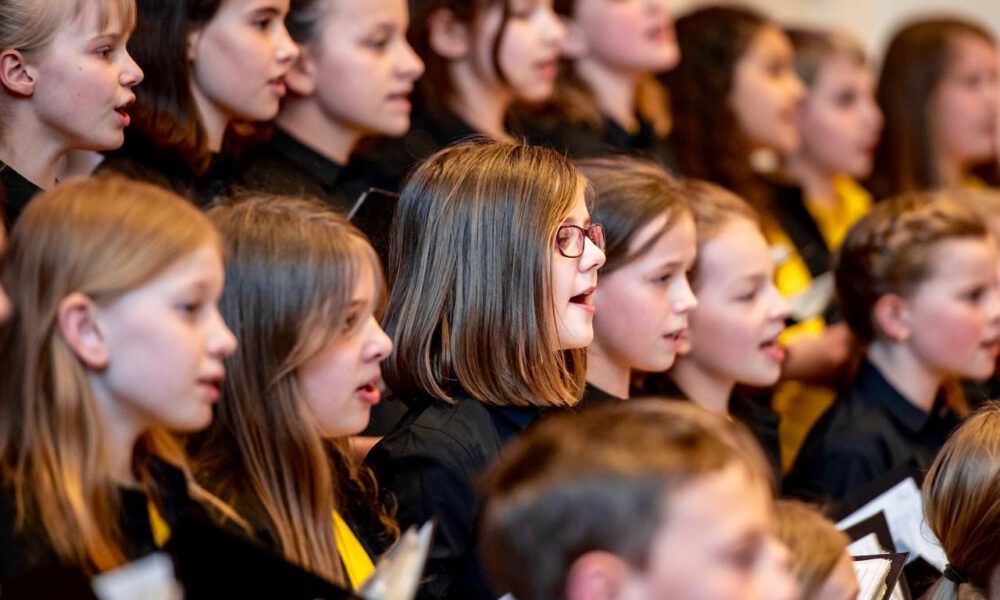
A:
[277,86]
[773,350]
[211,386]
[369,392]
[122,111]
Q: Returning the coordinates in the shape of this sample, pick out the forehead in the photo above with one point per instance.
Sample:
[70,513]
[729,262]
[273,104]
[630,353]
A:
[737,250]
[578,213]
[842,70]
[767,43]
[675,243]
[959,259]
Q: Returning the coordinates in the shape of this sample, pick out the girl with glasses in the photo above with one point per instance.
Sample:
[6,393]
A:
[493,268]
[644,297]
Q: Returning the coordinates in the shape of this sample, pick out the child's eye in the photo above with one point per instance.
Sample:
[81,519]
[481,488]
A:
[379,43]
[974,295]
[104,51]
[190,308]
[263,23]
[746,296]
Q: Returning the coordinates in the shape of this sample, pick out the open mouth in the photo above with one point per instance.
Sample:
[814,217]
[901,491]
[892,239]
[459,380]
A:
[369,391]
[774,350]
[584,297]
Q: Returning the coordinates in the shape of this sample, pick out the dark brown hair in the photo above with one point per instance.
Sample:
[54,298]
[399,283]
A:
[914,65]
[470,268]
[706,135]
[631,193]
[816,47]
[165,112]
[600,480]
[292,268]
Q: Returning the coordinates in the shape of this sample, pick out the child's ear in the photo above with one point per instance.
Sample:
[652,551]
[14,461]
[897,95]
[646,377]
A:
[16,74]
[575,44]
[301,78]
[891,316]
[448,36]
[193,37]
[596,575]
[80,328]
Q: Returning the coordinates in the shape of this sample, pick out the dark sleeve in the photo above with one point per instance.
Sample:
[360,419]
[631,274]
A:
[831,469]
[439,485]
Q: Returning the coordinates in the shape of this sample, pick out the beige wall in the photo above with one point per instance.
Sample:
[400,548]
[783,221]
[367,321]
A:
[871,20]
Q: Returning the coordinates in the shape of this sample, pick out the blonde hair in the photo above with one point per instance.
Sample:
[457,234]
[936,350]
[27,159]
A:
[817,546]
[292,268]
[30,25]
[101,238]
[470,266]
[962,503]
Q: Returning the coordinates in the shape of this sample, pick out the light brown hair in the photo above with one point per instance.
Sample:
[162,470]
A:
[600,480]
[962,503]
[816,47]
[292,269]
[713,208]
[890,250]
[470,269]
[917,59]
[816,545]
[631,193]
[102,238]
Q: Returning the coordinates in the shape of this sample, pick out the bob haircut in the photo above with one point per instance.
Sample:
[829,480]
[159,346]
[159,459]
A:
[916,61]
[631,193]
[635,456]
[470,269]
[292,269]
[816,47]
[102,237]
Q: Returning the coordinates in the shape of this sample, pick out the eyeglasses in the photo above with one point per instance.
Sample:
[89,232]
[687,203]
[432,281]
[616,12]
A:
[570,239]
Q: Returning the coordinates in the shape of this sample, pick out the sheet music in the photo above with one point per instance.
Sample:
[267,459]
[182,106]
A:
[398,572]
[904,510]
[150,577]
[866,546]
[871,575]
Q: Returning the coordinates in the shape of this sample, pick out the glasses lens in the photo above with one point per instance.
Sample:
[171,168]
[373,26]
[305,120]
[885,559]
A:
[596,235]
[569,240]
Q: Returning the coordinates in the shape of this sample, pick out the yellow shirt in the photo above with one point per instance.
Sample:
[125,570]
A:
[357,563]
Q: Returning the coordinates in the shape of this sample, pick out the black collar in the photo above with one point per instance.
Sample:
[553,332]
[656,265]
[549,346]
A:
[870,383]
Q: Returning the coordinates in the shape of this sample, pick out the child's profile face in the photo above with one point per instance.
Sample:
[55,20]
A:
[715,544]
[529,51]
[952,318]
[362,67]
[734,330]
[766,92]
[341,381]
[165,342]
[963,106]
[630,36]
[642,307]
[573,283]
[84,81]
[239,59]
[839,120]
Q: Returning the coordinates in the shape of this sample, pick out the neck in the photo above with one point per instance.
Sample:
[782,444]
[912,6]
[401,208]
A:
[817,183]
[918,384]
[615,91]
[482,105]
[31,150]
[606,374]
[708,390]
[303,119]
[213,120]
[950,172]
[121,430]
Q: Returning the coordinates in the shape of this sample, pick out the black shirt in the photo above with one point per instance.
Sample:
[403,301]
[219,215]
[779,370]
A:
[582,140]
[23,551]
[594,396]
[871,430]
[140,159]
[284,165]
[386,162]
[431,464]
[17,191]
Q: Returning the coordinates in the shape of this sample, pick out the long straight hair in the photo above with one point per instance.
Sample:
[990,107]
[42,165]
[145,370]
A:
[102,238]
[470,269]
[292,267]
